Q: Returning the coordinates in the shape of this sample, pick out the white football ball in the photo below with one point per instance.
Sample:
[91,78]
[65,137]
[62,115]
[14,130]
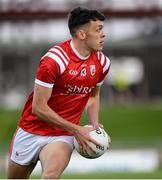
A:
[101,137]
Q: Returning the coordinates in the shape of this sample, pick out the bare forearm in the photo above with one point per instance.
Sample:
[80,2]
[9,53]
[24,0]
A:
[50,116]
[93,110]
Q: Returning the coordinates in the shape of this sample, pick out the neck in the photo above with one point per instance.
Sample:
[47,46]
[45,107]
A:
[81,48]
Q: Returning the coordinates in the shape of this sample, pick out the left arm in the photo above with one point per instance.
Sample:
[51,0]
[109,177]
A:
[93,107]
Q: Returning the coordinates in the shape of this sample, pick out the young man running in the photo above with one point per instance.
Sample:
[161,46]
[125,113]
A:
[68,79]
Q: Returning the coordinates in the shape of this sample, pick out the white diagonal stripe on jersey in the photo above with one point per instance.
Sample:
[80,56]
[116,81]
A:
[98,55]
[102,58]
[58,60]
[63,51]
[60,54]
[106,67]
[44,84]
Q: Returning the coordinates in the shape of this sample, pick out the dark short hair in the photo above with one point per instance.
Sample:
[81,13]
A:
[81,16]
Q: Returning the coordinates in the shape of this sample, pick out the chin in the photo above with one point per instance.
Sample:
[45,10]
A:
[100,48]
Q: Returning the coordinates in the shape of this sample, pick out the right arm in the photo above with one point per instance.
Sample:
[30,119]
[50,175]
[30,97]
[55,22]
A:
[41,109]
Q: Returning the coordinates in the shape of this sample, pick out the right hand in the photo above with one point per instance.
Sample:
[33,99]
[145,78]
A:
[82,136]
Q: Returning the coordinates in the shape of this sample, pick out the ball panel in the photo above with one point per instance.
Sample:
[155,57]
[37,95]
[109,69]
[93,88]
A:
[100,136]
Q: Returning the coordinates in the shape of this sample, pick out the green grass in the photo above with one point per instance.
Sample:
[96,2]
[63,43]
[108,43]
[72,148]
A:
[151,175]
[128,125]
[124,175]
[132,125]
[8,124]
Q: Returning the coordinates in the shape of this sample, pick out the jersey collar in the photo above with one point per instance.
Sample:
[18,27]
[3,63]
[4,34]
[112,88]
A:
[77,53]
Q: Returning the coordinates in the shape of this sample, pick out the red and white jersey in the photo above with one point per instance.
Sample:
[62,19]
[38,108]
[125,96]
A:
[72,78]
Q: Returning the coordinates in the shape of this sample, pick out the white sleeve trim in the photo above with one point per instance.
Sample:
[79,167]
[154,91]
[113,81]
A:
[44,84]
[99,84]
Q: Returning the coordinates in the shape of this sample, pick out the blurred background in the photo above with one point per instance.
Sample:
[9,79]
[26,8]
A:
[131,96]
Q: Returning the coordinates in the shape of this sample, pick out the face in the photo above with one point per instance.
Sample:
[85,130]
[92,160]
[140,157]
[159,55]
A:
[94,35]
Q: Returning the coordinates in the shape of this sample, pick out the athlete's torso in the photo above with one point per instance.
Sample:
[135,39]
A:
[72,80]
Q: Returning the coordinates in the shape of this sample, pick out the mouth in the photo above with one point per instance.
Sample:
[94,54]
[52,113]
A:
[101,43]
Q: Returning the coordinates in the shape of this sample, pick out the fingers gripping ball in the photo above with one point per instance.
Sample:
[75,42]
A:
[101,137]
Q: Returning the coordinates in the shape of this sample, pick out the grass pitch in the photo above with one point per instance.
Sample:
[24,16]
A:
[106,175]
[135,126]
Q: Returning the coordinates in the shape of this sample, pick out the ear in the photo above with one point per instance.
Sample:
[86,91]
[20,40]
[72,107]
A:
[81,34]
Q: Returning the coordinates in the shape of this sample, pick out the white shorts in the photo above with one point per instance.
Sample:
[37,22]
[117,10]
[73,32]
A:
[26,146]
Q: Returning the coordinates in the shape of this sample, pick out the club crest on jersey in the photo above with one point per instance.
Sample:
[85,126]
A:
[92,70]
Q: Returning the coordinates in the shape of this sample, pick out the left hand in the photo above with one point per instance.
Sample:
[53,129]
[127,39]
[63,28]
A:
[98,125]
[101,126]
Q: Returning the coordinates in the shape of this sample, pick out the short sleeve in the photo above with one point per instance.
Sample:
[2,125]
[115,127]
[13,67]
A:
[47,72]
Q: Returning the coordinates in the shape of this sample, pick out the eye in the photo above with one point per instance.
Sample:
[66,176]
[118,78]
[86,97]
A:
[99,29]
